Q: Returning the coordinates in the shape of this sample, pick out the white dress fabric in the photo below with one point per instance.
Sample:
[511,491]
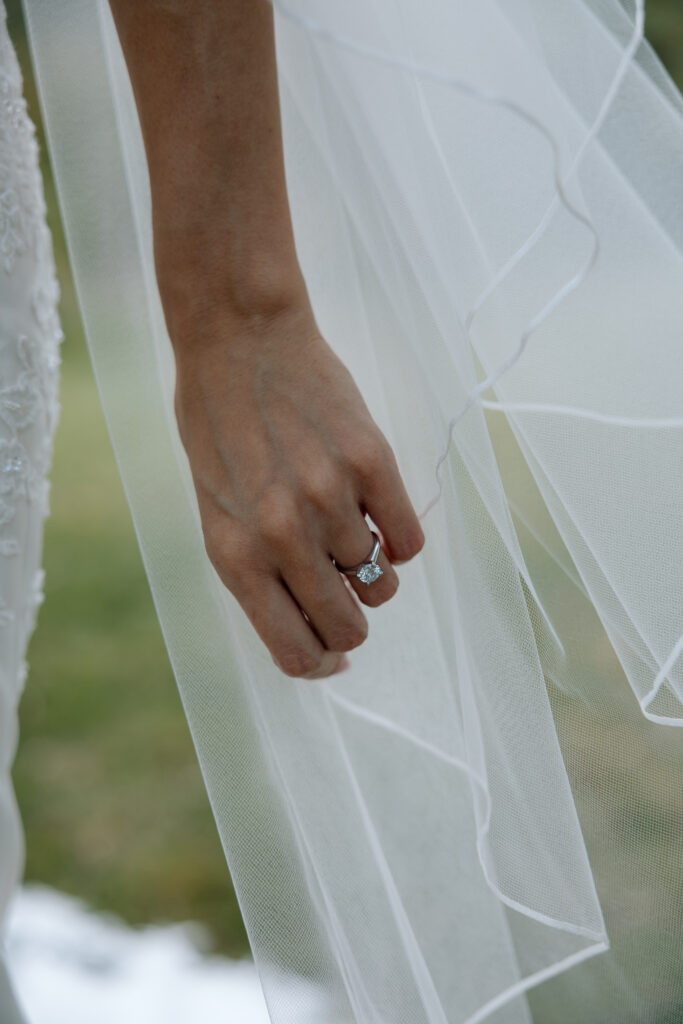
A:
[483,819]
[29,360]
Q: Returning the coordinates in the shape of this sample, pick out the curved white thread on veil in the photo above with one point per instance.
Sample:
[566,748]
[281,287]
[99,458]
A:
[482,830]
[507,994]
[532,980]
[560,197]
[600,941]
[660,678]
[598,938]
[610,419]
[475,396]
[426,988]
[451,81]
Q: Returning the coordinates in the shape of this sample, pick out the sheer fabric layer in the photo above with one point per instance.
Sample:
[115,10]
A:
[486,201]
[29,361]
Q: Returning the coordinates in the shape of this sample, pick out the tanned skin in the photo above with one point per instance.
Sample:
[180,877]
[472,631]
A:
[284,454]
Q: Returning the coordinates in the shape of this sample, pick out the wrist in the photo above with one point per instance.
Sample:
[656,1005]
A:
[204,286]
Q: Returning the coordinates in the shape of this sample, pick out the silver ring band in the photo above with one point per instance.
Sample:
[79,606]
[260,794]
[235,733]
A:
[368,570]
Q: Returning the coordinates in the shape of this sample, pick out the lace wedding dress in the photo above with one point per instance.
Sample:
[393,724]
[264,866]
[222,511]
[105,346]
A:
[29,362]
[482,820]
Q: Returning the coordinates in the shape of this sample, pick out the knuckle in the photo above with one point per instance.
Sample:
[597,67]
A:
[297,662]
[276,516]
[329,664]
[179,413]
[371,458]
[390,586]
[375,598]
[226,549]
[410,544]
[212,536]
[322,485]
[347,637]
[383,593]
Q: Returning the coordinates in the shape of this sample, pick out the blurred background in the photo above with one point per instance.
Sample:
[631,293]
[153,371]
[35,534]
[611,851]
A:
[112,799]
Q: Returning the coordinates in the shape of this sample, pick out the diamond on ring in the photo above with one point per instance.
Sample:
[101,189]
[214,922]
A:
[369,572]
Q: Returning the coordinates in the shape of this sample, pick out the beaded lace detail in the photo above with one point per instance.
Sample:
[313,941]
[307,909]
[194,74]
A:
[30,338]
[22,207]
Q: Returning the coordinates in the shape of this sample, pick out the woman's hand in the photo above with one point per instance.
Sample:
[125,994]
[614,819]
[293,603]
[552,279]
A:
[286,459]
[285,456]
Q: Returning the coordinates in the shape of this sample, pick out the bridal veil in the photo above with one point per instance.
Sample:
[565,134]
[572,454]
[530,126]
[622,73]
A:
[483,819]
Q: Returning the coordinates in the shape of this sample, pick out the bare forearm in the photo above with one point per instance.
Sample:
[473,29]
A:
[204,77]
[284,454]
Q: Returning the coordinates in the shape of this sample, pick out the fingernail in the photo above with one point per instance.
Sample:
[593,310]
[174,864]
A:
[344,664]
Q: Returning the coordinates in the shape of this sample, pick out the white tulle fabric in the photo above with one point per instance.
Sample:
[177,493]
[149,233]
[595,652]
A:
[482,820]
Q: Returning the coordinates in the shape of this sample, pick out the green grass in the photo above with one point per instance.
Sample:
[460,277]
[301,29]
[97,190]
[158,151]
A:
[664,28]
[112,799]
